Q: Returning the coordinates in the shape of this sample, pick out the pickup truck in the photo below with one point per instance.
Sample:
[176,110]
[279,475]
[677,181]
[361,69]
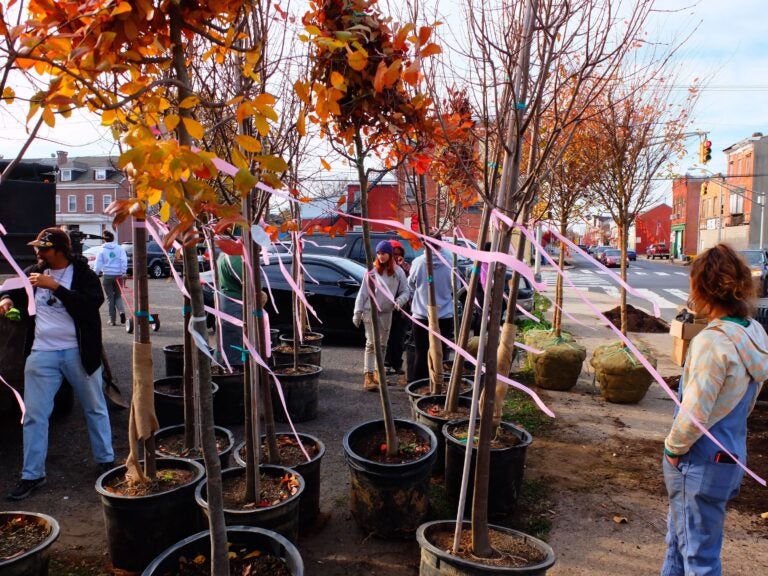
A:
[657,251]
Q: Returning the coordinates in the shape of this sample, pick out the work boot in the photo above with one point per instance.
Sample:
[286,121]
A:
[376,377]
[369,383]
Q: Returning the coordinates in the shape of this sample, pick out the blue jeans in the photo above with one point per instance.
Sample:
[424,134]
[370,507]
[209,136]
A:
[43,375]
[698,492]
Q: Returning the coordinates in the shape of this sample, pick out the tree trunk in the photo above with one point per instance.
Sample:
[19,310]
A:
[389,421]
[201,362]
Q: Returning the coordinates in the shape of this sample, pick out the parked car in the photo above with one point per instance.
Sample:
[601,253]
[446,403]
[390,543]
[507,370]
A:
[757,260]
[331,286]
[158,264]
[350,245]
[612,258]
[91,254]
[631,254]
[657,251]
[597,252]
[203,259]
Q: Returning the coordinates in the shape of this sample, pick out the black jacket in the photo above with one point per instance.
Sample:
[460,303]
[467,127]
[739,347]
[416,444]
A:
[82,301]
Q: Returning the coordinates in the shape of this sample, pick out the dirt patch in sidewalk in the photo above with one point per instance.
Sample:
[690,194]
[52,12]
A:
[637,320]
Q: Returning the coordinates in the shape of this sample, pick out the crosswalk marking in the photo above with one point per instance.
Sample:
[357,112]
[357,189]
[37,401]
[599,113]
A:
[654,297]
[677,293]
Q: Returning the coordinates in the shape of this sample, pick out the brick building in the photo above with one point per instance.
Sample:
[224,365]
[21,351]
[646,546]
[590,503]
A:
[653,227]
[685,215]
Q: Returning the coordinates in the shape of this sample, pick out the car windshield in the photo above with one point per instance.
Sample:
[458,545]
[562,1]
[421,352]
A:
[753,257]
[613,253]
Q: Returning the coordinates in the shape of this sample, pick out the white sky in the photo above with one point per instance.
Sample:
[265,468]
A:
[729,49]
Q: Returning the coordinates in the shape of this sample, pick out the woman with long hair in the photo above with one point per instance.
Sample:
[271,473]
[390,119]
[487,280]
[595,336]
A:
[726,365]
[384,288]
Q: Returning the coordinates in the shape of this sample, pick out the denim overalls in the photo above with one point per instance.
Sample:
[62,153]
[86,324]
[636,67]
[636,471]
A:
[699,488]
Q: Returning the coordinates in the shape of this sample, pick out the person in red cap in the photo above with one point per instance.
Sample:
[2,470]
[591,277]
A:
[63,340]
[400,323]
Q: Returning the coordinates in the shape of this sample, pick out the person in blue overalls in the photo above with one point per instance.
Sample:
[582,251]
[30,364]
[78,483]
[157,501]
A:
[726,365]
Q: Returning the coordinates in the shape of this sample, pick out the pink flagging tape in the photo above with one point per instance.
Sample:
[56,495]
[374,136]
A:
[19,400]
[21,280]
[156,237]
[260,361]
[514,264]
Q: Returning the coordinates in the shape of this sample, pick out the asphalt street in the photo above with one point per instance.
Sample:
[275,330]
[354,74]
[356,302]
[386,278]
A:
[657,282]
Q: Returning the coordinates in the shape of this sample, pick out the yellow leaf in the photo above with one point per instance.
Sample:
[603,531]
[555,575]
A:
[325,164]
[264,100]
[338,81]
[314,30]
[248,143]
[122,8]
[48,117]
[194,128]
[261,124]
[154,196]
[8,94]
[171,121]
[358,60]
[189,102]
[244,180]
[165,212]
[301,124]
[273,163]
[302,91]
[108,117]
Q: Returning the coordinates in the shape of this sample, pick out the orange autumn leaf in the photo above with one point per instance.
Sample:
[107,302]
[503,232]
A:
[378,80]
[357,59]
[411,74]
[325,164]
[424,33]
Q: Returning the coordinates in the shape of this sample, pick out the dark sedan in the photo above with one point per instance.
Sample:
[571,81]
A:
[331,284]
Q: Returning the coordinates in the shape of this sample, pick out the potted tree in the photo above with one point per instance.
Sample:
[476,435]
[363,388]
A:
[357,94]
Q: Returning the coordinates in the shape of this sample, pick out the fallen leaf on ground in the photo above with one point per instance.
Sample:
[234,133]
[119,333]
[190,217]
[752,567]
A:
[620,520]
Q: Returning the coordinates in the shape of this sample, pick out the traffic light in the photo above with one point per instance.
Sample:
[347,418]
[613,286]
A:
[705,151]
[415,222]
[703,188]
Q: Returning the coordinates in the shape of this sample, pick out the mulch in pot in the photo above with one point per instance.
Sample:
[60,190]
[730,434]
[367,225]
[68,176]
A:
[274,490]
[437,410]
[289,450]
[637,320]
[165,480]
[411,447]
[19,534]
[502,439]
[174,446]
[288,349]
[290,370]
[242,562]
[510,551]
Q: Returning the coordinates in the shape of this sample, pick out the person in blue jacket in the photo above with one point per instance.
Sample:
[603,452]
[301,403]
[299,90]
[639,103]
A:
[726,365]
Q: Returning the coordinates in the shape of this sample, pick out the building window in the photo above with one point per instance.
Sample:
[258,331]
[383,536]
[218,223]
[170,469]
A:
[89,202]
[72,203]
[410,192]
[737,201]
[58,203]
[106,200]
[99,173]
[66,175]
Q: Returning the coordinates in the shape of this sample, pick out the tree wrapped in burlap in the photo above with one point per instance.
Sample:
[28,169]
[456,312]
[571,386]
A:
[558,365]
[621,377]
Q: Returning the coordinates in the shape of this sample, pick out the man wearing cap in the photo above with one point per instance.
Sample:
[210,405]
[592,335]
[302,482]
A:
[63,340]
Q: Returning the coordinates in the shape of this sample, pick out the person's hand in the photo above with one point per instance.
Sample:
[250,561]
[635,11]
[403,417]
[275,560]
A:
[357,318]
[43,281]
[5,305]
[673,461]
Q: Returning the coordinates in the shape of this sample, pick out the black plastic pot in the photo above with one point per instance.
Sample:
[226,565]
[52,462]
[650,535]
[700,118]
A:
[229,402]
[307,355]
[506,469]
[413,394]
[282,518]
[33,562]
[309,506]
[310,338]
[438,562]
[179,430]
[174,359]
[388,500]
[435,423]
[140,527]
[169,406]
[265,541]
[301,393]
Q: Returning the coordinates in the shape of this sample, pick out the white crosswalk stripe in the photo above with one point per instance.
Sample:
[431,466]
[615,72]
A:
[658,299]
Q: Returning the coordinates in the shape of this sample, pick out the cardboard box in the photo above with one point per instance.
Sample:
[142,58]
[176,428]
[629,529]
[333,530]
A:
[685,330]
[679,350]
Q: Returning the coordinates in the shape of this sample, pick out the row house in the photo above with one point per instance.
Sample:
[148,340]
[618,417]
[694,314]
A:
[652,226]
[85,187]
[724,208]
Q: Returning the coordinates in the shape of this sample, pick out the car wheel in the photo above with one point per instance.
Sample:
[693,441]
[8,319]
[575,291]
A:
[156,270]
